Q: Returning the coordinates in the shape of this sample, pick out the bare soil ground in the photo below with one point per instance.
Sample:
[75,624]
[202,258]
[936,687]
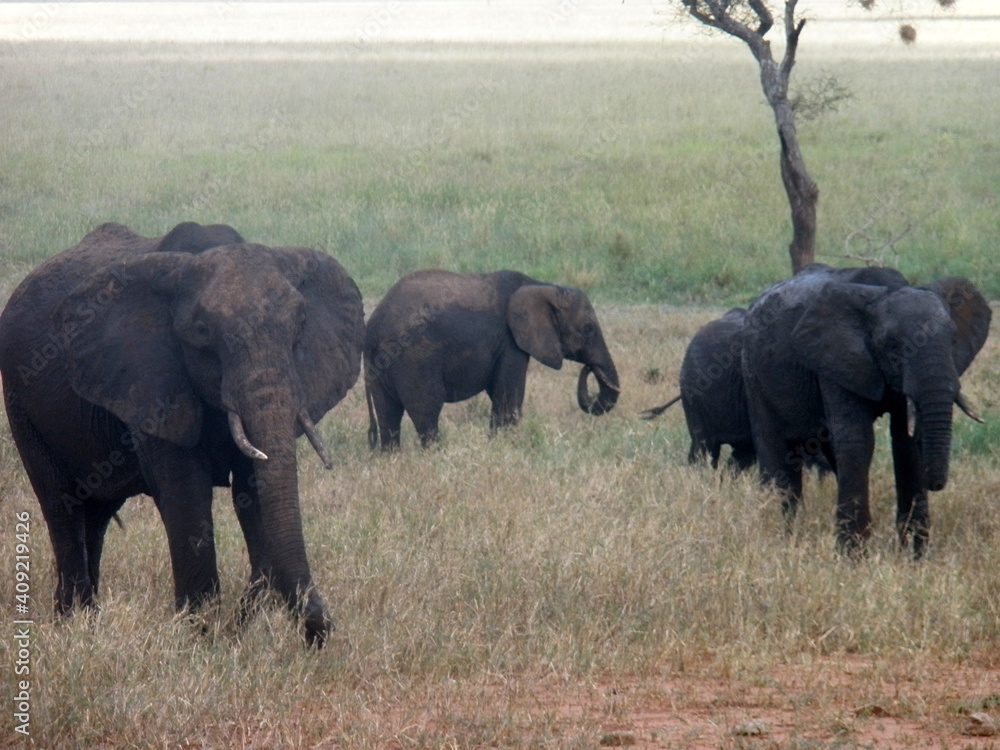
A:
[831,702]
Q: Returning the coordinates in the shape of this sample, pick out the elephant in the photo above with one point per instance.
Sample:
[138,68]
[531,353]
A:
[825,355]
[166,366]
[440,337]
[712,394]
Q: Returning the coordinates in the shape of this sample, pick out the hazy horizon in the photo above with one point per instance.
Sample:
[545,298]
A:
[969,24]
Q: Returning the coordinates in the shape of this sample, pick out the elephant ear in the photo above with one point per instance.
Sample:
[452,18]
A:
[969,312]
[121,351]
[328,354]
[530,317]
[191,237]
[832,337]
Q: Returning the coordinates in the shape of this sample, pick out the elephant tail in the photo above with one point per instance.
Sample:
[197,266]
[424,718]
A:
[658,410]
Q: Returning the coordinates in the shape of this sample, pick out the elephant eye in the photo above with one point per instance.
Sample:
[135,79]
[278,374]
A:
[202,332]
[589,329]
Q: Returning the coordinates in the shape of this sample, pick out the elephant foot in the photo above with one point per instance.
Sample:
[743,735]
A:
[852,546]
[317,629]
[317,622]
[250,601]
[919,543]
[307,607]
[73,594]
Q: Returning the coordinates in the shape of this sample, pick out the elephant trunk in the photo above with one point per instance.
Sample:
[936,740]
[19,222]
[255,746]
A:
[269,413]
[934,423]
[607,381]
[930,405]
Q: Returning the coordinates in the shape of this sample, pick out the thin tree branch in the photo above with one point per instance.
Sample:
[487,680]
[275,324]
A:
[718,17]
[764,14]
[792,33]
[875,255]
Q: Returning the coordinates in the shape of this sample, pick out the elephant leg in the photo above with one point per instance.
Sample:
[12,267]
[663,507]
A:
[784,475]
[696,452]
[742,457]
[788,481]
[67,531]
[63,511]
[505,410]
[425,417]
[180,481]
[423,397]
[854,445]
[97,518]
[246,502]
[506,391]
[385,416]
[714,451]
[912,509]
[853,513]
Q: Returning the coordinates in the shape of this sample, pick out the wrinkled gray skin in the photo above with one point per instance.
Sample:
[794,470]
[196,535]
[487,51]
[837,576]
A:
[824,356]
[439,337]
[165,366]
[712,395]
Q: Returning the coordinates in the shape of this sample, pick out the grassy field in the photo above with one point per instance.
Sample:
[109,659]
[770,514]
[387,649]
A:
[643,177]
[487,590]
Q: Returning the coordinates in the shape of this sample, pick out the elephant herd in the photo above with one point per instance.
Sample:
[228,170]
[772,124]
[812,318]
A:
[168,366]
[800,378]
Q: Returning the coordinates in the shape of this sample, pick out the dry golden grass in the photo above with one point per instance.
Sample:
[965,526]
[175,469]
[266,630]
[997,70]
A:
[565,579]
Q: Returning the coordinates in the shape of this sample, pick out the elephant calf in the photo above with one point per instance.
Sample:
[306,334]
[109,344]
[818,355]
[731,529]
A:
[438,337]
[712,394]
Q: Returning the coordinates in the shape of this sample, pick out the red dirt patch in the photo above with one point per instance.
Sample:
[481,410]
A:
[837,702]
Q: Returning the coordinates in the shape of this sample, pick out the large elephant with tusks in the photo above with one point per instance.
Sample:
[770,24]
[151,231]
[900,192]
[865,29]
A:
[166,366]
[828,351]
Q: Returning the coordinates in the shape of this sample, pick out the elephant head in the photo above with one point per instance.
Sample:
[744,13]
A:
[267,339]
[553,323]
[191,237]
[899,343]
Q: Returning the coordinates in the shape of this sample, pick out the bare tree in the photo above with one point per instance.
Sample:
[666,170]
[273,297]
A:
[750,21]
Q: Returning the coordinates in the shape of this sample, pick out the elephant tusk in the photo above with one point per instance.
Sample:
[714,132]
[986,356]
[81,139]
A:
[240,437]
[604,379]
[911,417]
[314,438]
[969,411]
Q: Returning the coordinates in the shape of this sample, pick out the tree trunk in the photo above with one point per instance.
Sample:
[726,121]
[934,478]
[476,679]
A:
[803,194]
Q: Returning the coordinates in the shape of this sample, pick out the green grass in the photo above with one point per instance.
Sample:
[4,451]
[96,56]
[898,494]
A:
[571,549]
[645,177]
